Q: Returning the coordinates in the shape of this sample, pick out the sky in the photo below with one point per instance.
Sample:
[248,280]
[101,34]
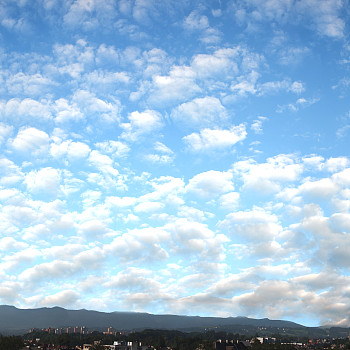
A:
[176,157]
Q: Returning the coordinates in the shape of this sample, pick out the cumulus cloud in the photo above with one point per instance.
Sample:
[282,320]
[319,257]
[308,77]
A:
[164,154]
[319,189]
[92,228]
[215,139]
[229,200]
[148,207]
[35,85]
[44,181]
[140,124]
[256,126]
[266,177]
[66,111]
[135,279]
[223,64]
[30,140]
[11,173]
[325,19]
[140,245]
[90,14]
[5,132]
[336,164]
[195,21]
[178,86]
[192,237]
[102,162]
[115,148]
[25,110]
[210,183]
[70,149]
[201,112]
[255,225]
[65,298]
[92,106]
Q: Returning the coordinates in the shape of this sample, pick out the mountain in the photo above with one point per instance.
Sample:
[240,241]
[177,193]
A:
[14,320]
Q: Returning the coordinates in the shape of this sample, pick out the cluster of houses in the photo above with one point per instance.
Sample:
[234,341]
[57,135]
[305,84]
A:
[119,345]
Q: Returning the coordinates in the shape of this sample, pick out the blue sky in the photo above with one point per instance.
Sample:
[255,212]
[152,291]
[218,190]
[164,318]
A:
[184,157]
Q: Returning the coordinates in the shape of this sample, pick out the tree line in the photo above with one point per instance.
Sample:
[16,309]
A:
[10,342]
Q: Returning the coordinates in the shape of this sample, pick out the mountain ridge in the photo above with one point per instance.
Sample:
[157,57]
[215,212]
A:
[13,319]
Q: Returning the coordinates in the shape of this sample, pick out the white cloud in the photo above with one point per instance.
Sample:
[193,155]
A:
[265,178]
[192,238]
[159,158]
[296,87]
[213,139]
[92,228]
[88,15]
[136,279]
[325,16]
[319,189]
[30,140]
[256,126]
[201,112]
[5,132]
[222,64]
[195,21]
[25,110]
[229,200]
[108,179]
[148,207]
[336,164]
[293,55]
[160,147]
[29,84]
[102,162]
[210,183]
[93,106]
[73,59]
[140,245]
[165,186]
[256,225]
[11,173]
[65,298]
[179,85]
[342,178]
[106,55]
[140,124]
[164,156]
[120,202]
[313,162]
[115,148]
[44,181]
[341,222]
[143,10]
[69,149]
[10,244]
[300,103]
[66,111]
[191,214]
[246,84]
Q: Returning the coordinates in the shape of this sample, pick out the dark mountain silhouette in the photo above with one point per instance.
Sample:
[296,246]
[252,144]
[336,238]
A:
[14,320]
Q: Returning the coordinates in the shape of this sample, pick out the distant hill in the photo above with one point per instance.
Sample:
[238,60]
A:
[14,320]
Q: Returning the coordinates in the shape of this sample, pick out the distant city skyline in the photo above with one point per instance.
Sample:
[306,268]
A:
[176,157]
